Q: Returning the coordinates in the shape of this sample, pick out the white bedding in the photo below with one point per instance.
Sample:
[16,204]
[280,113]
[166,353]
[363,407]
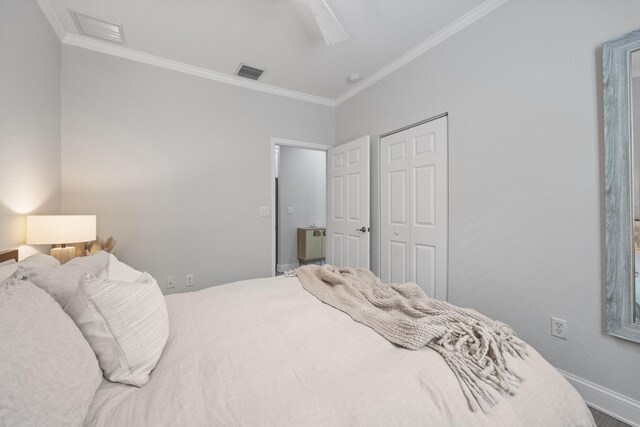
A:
[266,352]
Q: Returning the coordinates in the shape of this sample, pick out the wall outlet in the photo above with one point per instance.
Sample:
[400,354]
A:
[290,210]
[559,328]
[265,211]
[169,282]
[189,281]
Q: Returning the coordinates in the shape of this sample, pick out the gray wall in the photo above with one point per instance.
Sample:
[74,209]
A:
[523,90]
[176,166]
[302,178]
[29,119]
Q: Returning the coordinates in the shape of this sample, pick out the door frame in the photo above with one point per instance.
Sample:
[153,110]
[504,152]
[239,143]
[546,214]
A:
[284,143]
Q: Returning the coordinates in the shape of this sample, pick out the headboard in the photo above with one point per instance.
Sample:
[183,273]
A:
[10,254]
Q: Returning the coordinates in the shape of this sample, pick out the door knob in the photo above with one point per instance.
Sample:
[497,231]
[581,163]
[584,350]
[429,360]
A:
[362,229]
[396,232]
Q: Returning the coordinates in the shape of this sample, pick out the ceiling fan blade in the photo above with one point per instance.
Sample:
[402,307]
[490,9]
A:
[329,25]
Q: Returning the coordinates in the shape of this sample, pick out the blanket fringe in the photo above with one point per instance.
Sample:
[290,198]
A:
[473,346]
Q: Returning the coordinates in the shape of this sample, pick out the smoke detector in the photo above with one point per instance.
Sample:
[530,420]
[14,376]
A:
[98,28]
[249,72]
[353,78]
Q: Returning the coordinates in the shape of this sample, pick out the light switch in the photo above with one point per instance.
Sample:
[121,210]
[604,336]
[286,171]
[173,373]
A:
[265,211]
[290,210]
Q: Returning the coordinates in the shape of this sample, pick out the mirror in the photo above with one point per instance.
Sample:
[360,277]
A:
[635,138]
[621,73]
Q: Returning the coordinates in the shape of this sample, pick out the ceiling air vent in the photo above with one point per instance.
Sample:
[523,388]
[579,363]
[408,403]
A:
[249,72]
[98,28]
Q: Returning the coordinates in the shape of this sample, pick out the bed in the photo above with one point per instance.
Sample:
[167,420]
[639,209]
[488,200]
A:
[266,352]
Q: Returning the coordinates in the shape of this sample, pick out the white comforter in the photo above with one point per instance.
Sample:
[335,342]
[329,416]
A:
[267,353]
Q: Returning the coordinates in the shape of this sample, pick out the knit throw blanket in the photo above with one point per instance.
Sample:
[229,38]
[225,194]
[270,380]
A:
[473,345]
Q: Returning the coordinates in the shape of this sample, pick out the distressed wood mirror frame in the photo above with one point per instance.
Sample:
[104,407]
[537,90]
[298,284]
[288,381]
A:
[618,171]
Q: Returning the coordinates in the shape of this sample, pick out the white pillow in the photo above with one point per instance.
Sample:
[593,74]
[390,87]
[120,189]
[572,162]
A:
[126,323]
[62,282]
[118,270]
[98,260]
[48,372]
[7,270]
[40,260]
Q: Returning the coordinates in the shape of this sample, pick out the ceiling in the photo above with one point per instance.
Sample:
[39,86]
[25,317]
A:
[280,36]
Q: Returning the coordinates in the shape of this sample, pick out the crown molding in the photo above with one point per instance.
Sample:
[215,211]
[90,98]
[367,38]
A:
[135,55]
[124,52]
[442,35]
[53,18]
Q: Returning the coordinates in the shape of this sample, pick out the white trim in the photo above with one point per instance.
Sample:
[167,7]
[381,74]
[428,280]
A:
[272,152]
[300,144]
[286,267]
[53,18]
[448,31]
[607,401]
[135,55]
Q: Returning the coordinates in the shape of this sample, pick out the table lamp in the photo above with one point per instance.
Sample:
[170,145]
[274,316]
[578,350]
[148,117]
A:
[60,230]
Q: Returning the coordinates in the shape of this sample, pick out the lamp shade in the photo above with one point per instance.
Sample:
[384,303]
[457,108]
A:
[56,229]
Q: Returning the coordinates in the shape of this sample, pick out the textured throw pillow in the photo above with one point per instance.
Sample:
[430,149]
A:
[62,282]
[126,324]
[118,270]
[48,372]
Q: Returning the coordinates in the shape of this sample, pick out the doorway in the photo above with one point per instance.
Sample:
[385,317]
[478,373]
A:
[300,207]
[347,201]
[298,196]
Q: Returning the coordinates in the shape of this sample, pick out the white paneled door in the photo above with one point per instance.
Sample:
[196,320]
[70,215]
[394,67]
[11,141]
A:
[348,204]
[414,207]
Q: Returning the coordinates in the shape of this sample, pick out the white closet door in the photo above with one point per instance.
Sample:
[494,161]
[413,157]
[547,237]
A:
[348,204]
[414,199]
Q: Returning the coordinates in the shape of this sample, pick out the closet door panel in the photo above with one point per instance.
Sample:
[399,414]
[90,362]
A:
[414,207]
[394,216]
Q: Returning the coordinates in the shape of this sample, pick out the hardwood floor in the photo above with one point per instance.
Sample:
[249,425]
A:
[604,420]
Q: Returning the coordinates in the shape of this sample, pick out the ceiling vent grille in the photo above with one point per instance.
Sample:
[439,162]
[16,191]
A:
[98,28]
[249,72]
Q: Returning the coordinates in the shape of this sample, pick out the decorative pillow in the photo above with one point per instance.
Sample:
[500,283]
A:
[7,270]
[40,260]
[62,282]
[118,270]
[95,261]
[126,324]
[47,369]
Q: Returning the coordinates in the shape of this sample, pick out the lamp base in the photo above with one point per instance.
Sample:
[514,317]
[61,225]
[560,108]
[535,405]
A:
[64,254]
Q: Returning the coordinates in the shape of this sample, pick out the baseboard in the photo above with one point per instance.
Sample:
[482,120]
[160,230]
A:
[606,401]
[286,267]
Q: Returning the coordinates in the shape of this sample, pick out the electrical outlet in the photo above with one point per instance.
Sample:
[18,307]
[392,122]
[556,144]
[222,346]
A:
[189,281]
[559,328]
[265,211]
[169,283]
[290,210]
